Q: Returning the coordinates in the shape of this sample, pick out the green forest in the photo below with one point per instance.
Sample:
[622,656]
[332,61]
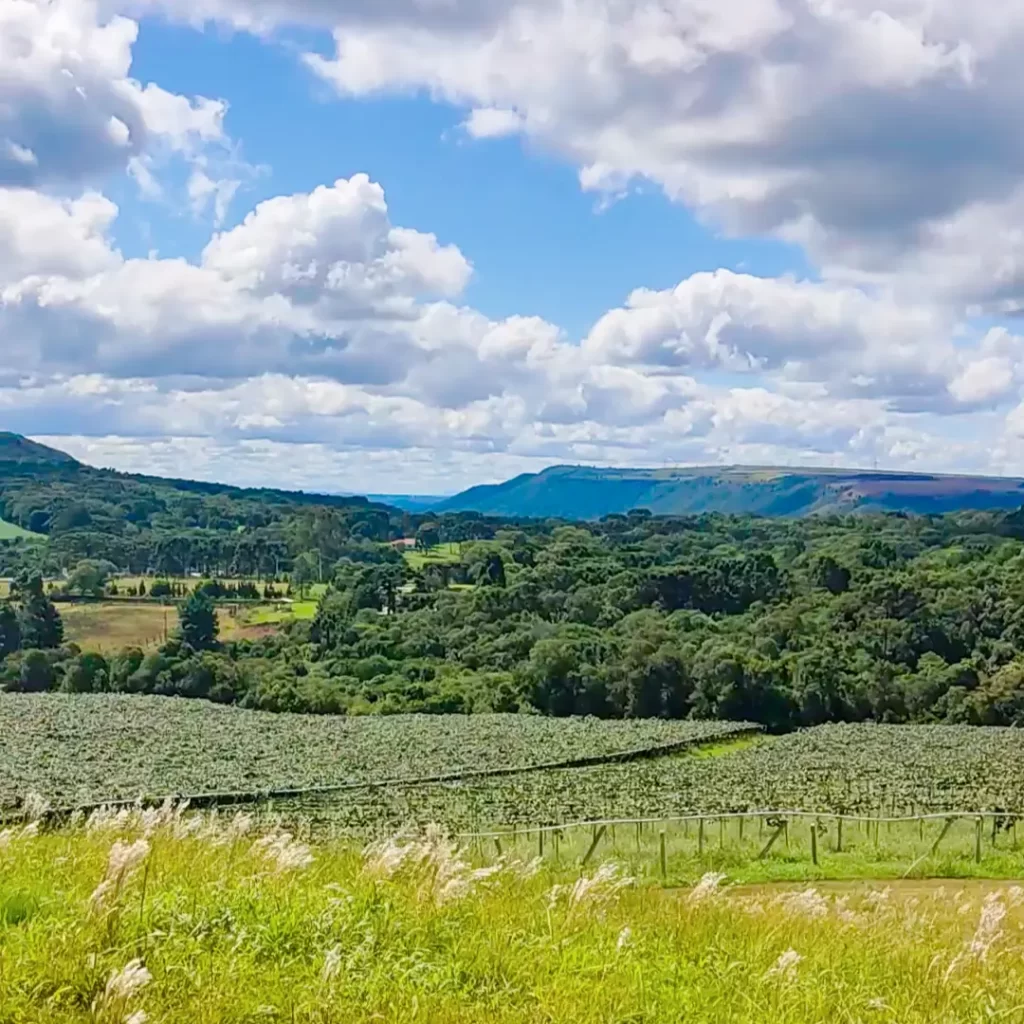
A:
[783,622]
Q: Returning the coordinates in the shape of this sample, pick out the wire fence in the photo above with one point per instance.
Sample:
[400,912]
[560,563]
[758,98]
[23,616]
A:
[955,841]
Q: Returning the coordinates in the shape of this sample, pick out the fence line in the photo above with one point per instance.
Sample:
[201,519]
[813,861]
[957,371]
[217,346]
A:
[706,816]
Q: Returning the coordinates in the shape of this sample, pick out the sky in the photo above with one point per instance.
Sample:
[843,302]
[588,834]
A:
[409,246]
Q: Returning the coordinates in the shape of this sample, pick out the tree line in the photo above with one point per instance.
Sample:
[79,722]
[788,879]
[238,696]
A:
[789,623]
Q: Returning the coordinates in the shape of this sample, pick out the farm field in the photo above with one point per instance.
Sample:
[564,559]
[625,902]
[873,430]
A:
[210,920]
[75,749]
[869,769]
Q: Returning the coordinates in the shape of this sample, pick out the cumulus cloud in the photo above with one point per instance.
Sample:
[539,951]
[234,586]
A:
[831,125]
[317,320]
[69,109]
[318,326]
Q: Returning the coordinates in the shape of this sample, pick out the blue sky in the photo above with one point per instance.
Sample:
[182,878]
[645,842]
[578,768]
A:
[396,246]
[516,211]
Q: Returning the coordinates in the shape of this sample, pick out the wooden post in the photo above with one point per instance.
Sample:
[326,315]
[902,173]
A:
[664,857]
[721,833]
[639,829]
[942,835]
[700,838]
[598,833]
[977,839]
[780,828]
[814,845]
[497,845]
[743,818]
[540,843]
[839,835]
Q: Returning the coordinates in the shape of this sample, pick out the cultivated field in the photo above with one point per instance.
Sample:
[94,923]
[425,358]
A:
[869,769]
[192,919]
[914,801]
[74,749]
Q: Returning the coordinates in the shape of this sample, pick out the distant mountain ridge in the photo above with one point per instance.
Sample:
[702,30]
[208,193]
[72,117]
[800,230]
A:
[586,492]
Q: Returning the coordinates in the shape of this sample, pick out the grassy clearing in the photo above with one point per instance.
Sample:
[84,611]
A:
[75,749]
[249,622]
[111,626]
[199,920]
[730,746]
[8,531]
[442,554]
[189,583]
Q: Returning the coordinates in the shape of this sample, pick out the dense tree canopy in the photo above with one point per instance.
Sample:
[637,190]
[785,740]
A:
[785,622]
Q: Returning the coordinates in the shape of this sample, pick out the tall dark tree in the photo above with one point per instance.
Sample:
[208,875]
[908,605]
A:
[10,631]
[40,622]
[198,627]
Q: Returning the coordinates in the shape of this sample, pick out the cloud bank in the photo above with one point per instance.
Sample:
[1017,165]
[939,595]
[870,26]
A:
[882,138]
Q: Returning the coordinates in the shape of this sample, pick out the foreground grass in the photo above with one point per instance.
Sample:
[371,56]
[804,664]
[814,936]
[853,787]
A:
[165,917]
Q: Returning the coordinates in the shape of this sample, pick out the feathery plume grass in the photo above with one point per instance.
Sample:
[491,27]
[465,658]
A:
[785,967]
[123,986]
[123,861]
[706,889]
[283,852]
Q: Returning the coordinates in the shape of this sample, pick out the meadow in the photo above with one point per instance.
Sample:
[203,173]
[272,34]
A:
[112,626]
[162,917]
[449,553]
[10,531]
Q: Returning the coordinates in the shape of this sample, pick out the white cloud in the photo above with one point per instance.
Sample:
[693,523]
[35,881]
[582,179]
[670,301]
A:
[318,330]
[492,123]
[69,109]
[880,135]
[315,321]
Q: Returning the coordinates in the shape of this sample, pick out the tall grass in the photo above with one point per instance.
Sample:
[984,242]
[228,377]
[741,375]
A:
[167,916]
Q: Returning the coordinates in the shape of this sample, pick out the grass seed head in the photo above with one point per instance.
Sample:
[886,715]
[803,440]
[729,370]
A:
[785,967]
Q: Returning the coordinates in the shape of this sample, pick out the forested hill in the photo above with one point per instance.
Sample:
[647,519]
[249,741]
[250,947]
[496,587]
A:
[140,523]
[15,449]
[582,492]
